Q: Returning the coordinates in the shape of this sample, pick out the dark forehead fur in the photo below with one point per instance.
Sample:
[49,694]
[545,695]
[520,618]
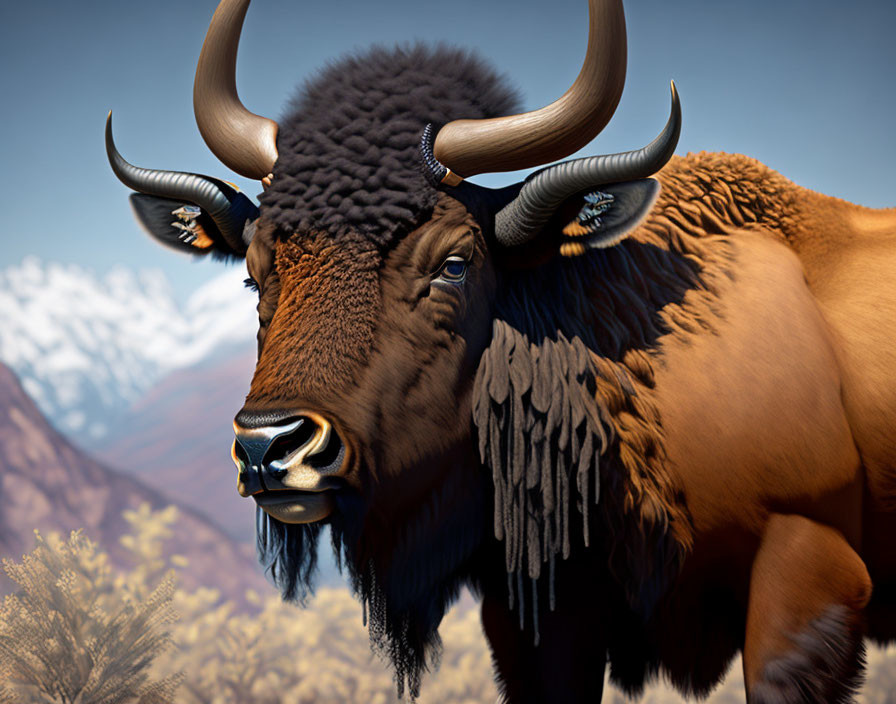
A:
[349,145]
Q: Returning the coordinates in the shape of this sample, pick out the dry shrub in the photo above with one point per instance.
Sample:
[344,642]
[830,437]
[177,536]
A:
[320,655]
[74,617]
[73,632]
[317,655]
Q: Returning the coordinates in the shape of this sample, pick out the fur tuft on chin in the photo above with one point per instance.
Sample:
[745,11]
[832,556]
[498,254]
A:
[288,553]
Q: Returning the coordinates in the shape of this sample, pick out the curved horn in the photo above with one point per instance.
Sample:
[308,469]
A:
[227,208]
[521,219]
[242,140]
[469,147]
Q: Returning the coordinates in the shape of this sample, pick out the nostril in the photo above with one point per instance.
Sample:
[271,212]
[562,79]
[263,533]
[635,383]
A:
[330,456]
[287,443]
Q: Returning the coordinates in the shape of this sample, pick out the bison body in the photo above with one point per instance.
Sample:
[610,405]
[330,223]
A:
[776,461]
[649,420]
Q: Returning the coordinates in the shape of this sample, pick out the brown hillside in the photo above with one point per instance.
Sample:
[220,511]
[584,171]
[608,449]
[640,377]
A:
[177,440]
[49,484]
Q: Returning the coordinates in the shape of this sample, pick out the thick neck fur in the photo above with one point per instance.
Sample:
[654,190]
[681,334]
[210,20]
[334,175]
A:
[564,404]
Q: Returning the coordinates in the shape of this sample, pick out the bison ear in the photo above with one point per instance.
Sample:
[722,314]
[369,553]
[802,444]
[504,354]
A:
[605,216]
[185,211]
[182,226]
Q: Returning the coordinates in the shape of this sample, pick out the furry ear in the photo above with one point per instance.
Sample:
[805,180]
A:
[181,226]
[607,215]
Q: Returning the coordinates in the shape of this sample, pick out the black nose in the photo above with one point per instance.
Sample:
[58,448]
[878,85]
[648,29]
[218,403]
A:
[269,444]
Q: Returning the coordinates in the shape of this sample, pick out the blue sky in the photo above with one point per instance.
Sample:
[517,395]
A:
[805,86]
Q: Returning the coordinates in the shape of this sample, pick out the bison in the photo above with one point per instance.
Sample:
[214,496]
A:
[643,405]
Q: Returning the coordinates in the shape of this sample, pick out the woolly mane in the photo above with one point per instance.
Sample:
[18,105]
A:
[564,405]
[349,146]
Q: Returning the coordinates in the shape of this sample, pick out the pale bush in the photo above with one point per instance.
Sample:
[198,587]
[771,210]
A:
[72,633]
[278,654]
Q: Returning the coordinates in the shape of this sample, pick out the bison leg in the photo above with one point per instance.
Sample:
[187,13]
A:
[566,667]
[808,589]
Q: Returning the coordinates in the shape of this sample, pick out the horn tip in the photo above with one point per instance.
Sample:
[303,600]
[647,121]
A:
[109,142]
[676,100]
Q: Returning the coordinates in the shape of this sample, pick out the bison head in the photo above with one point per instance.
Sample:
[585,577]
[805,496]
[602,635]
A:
[385,378]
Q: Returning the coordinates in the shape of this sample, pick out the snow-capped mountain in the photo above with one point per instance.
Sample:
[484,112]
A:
[87,347]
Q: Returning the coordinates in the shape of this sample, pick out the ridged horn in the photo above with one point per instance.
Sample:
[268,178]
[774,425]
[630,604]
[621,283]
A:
[469,147]
[227,208]
[543,192]
[242,140]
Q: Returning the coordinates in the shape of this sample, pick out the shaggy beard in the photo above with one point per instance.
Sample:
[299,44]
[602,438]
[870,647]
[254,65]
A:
[405,588]
[288,553]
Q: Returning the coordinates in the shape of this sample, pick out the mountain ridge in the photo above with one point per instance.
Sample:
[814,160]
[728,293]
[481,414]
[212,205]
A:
[177,439]
[47,483]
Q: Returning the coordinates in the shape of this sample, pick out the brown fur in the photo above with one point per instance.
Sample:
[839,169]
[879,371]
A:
[326,312]
[729,364]
[787,440]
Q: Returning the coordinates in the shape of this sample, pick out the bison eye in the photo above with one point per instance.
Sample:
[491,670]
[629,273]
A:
[251,284]
[453,270]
